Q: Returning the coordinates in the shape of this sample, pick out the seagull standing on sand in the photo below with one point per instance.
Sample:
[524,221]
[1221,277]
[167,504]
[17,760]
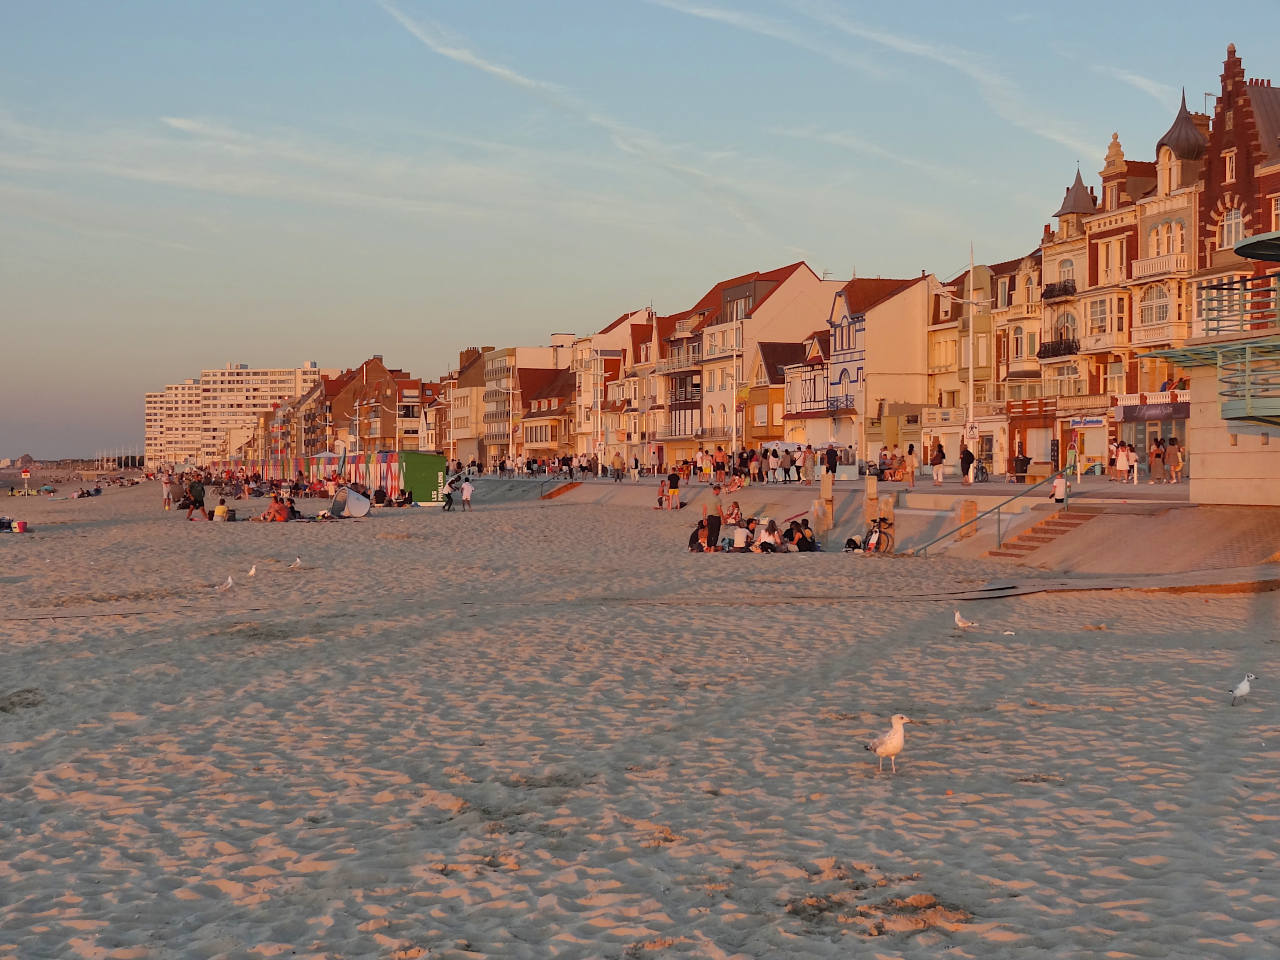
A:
[962,623]
[297,564]
[224,586]
[1241,689]
[253,570]
[890,744]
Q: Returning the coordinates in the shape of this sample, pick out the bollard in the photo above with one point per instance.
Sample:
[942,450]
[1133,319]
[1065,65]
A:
[966,511]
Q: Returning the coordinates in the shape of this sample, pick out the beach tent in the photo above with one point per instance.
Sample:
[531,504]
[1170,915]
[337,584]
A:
[348,503]
[422,474]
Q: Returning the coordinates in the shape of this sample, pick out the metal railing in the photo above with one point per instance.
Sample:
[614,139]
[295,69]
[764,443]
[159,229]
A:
[923,550]
[1063,347]
[1240,306]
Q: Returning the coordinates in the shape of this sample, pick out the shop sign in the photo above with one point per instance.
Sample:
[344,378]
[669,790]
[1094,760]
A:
[1141,412]
[1078,422]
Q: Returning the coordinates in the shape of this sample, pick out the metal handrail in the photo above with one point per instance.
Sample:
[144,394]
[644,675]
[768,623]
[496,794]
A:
[922,551]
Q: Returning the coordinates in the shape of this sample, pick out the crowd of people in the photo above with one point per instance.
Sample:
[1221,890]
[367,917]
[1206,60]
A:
[724,529]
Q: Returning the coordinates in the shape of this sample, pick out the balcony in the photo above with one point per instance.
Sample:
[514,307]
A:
[1158,396]
[1156,266]
[1246,305]
[720,350]
[1104,341]
[1024,364]
[1155,333]
[685,327]
[941,416]
[675,433]
[1084,403]
[680,360]
[1059,291]
[1249,382]
[1065,347]
[684,396]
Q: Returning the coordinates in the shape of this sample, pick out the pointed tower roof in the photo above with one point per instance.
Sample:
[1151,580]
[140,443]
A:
[1077,200]
[1184,137]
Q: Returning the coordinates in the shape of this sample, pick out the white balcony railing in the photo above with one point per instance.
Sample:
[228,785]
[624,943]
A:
[1106,340]
[1158,396]
[1169,332]
[1151,266]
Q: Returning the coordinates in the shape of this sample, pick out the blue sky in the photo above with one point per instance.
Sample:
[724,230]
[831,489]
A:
[186,185]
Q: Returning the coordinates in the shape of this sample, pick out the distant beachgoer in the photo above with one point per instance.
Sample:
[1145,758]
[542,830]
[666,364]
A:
[673,490]
[831,458]
[447,491]
[467,488]
[220,511]
[166,491]
[1112,450]
[910,464]
[966,464]
[195,494]
[937,460]
[714,514]
[1173,461]
[1059,493]
[698,539]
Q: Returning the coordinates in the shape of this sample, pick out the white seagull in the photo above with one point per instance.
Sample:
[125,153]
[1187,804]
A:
[297,564]
[1241,689]
[890,744]
[962,623]
[224,586]
[253,570]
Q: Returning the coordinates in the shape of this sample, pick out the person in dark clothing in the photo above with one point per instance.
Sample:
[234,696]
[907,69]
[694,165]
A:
[673,490]
[830,458]
[195,494]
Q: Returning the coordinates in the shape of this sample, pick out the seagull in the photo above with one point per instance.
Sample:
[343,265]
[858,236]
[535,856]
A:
[224,586]
[253,570]
[962,623]
[890,744]
[297,564]
[1241,689]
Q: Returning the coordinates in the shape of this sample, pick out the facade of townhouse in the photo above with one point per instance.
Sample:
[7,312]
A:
[891,342]
[466,407]
[502,396]
[597,361]
[1232,355]
[763,423]
[635,415]
[547,430]
[806,416]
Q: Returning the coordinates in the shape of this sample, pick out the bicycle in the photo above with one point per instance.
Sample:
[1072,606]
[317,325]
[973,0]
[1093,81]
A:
[879,536]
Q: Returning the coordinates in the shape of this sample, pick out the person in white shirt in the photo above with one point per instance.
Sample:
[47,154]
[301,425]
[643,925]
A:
[467,487]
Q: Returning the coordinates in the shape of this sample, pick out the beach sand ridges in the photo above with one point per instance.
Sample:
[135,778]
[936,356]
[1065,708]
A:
[545,730]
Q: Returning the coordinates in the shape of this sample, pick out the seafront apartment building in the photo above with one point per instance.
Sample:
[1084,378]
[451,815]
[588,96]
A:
[199,420]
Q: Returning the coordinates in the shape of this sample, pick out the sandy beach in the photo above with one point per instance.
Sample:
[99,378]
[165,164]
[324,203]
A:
[544,729]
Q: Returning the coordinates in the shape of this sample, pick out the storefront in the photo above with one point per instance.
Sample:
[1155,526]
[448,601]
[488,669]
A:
[1141,423]
[1091,436]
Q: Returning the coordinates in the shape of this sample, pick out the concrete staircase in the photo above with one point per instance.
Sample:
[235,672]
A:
[1046,531]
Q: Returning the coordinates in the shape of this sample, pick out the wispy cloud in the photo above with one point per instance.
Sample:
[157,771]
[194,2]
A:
[844,140]
[774,30]
[628,139]
[1163,92]
[997,90]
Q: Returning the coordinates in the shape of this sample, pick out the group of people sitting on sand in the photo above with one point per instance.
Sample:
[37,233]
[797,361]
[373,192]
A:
[750,535]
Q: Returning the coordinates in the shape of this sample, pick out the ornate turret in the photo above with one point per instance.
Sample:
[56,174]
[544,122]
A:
[1077,200]
[1184,137]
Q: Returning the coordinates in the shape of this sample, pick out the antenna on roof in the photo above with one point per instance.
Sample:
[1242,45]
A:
[826,274]
[1206,101]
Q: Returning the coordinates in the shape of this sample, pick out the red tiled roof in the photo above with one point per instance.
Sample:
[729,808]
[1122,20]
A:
[622,319]
[556,385]
[713,300]
[775,356]
[862,293]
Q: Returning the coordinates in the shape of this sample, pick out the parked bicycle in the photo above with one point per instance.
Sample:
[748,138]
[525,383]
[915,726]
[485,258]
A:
[879,536]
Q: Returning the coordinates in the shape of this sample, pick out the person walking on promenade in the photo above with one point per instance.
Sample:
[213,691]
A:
[718,463]
[1073,461]
[807,458]
[785,465]
[831,458]
[1113,467]
[635,468]
[1155,461]
[966,464]
[910,464]
[1173,461]
[937,460]
[774,461]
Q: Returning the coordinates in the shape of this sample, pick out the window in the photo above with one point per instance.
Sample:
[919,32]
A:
[1275,213]
[1002,298]
[761,417]
[1026,290]
[1154,307]
[1066,327]
[1113,196]
[1115,377]
[1153,242]
[1066,270]
[1168,238]
[1098,316]
[1180,237]
[1017,343]
[1229,167]
[1231,230]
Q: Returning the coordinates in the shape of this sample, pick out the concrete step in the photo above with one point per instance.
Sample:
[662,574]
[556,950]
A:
[1007,554]
[1034,538]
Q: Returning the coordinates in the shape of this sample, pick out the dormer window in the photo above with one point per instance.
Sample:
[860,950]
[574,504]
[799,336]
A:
[1066,271]
[1112,196]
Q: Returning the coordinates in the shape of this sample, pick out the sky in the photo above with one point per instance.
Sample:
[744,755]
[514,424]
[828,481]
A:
[184,185]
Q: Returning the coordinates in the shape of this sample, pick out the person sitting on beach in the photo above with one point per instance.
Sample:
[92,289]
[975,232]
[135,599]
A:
[276,512]
[698,539]
[294,512]
[807,541]
[789,538]
[767,540]
[733,516]
[742,536]
[220,511]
